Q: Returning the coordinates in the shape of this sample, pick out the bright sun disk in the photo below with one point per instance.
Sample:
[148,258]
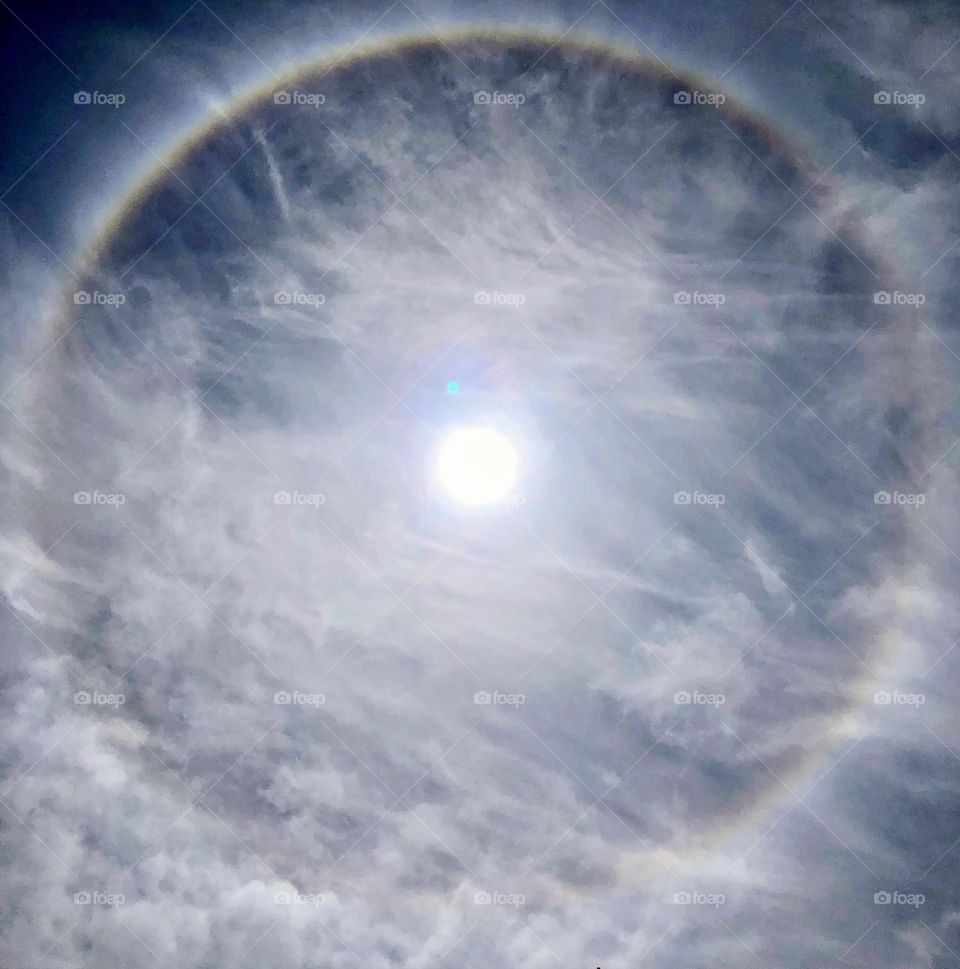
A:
[477,465]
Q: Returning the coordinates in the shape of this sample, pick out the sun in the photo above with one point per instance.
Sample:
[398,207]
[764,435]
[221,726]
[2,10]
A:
[477,465]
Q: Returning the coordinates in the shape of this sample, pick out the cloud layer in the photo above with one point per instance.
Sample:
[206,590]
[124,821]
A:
[687,696]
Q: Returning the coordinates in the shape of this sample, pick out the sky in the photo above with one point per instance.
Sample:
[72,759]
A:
[684,693]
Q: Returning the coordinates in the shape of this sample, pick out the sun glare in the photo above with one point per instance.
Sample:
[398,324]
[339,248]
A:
[477,465]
